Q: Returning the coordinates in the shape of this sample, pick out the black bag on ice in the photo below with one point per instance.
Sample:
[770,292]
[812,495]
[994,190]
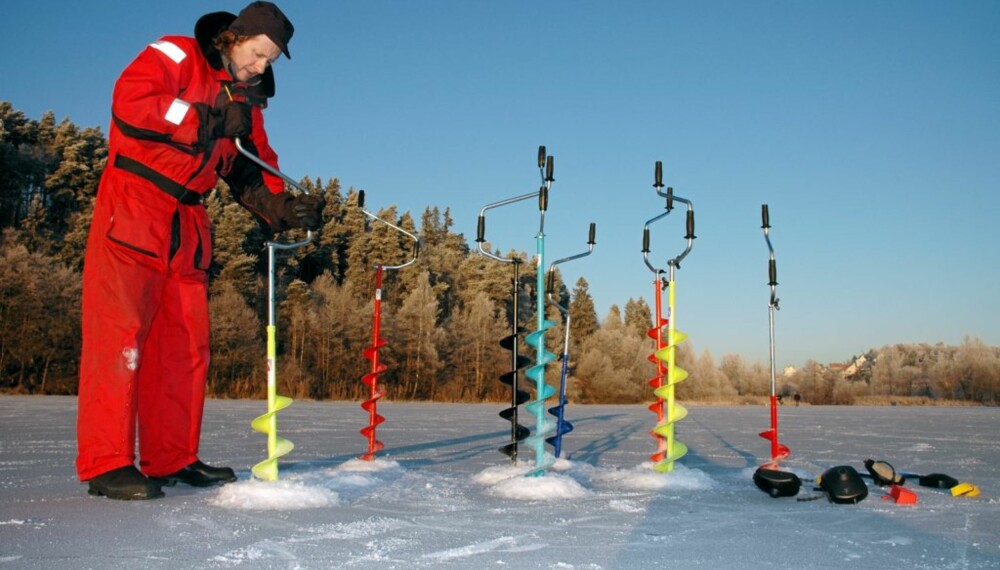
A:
[777,483]
[843,484]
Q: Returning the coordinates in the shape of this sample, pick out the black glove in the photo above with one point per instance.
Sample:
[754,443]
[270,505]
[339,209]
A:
[233,120]
[303,211]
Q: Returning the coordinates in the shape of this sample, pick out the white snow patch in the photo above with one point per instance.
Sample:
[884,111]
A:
[283,495]
[644,477]
[372,466]
[509,481]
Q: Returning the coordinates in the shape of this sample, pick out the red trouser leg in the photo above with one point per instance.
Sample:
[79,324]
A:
[145,329]
[172,379]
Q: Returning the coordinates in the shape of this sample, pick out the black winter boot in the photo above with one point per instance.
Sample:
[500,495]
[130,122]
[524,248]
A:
[200,475]
[125,484]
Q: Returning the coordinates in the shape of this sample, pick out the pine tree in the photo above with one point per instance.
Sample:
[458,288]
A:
[415,328]
[638,317]
[583,315]
[238,344]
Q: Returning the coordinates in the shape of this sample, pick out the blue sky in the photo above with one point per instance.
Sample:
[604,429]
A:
[871,128]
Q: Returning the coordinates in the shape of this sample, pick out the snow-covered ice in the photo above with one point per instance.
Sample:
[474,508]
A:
[440,495]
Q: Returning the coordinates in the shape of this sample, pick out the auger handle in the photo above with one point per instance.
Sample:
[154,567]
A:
[772,268]
[416,241]
[543,198]
[255,159]
[690,225]
[549,169]
[551,283]
[591,242]
[481,230]
[658,176]
[670,197]
[541,156]
[645,239]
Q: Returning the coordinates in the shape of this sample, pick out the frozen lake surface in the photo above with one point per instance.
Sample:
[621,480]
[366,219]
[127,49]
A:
[440,495]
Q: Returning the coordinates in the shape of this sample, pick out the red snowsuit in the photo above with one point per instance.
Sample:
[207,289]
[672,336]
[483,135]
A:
[145,297]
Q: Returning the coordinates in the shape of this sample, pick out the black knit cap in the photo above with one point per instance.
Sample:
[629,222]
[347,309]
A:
[264,18]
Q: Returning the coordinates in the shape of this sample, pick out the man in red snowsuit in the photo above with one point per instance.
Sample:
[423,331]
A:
[176,109]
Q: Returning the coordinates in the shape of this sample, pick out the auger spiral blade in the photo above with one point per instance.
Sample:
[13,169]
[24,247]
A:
[562,425]
[518,396]
[277,446]
[544,426]
[371,404]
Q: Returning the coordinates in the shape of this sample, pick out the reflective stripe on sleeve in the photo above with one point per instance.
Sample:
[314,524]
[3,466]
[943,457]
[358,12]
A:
[175,114]
[169,49]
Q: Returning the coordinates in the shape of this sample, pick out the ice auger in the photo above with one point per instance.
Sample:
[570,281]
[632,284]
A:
[510,342]
[371,353]
[559,410]
[778,451]
[536,339]
[268,422]
[668,374]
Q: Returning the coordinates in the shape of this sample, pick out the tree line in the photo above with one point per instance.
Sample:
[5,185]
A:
[442,317]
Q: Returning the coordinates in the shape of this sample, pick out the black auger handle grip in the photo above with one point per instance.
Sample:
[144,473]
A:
[549,169]
[481,229]
[361,198]
[552,281]
[592,239]
[772,272]
[765,217]
[645,240]
[543,199]
[541,156]
[658,177]
[416,249]
[690,225]
[670,197]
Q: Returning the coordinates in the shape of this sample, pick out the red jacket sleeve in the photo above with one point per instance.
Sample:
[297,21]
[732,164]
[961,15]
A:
[147,101]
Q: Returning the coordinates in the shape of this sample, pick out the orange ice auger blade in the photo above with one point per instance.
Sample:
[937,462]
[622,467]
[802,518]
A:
[668,374]
[375,392]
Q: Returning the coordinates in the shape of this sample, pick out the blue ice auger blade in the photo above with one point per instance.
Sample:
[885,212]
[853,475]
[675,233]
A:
[563,426]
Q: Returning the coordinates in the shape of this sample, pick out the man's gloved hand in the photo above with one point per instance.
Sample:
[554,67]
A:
[231,121]
[304,211]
